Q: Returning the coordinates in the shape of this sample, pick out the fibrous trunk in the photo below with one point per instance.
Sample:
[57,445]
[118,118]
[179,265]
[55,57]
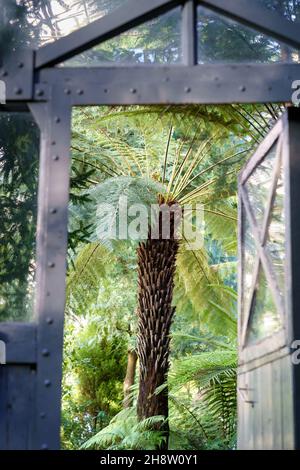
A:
[156,268]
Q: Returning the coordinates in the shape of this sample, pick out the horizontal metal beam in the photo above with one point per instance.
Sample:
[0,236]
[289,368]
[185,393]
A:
[204,84]
[255,15]
[20,342]
[127,16]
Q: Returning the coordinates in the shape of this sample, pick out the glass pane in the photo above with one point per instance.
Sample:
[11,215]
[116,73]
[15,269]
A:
[264,319]
[157,41]
[259,184]
[37,22]
[289,9]
[19,150]
[276,233]
[222,40]
[249,258]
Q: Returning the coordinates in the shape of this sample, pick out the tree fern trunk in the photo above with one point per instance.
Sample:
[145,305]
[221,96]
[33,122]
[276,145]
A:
[156,268]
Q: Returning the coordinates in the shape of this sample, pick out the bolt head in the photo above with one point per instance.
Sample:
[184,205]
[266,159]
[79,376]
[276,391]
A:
[47,382]
[242,88]
[187,89]
[44,447]
[55,157]
[49,320]
[79,92]
[132,90]
[51,264]
[45,352]
[18,91]
[20,65]
[42,414]
[67,91]
[39,92]
[4,73]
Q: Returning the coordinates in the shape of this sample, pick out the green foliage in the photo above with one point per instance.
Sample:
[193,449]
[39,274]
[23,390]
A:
[141,153]
[137,190]
[100,328]
[102,283]
[94,369]
[156,41]
[125,432]
[199,286]
[19,146]
[202,398]
[214,376]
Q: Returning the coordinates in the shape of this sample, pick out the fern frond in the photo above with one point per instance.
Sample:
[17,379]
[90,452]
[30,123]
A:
[125,432]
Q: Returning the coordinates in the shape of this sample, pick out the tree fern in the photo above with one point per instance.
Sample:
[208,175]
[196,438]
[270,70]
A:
[125,432]
[212,376]
[170,157]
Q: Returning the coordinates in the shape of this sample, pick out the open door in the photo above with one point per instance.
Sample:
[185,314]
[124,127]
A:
[268,300]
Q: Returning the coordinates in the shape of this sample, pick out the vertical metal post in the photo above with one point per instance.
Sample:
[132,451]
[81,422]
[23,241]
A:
[292,150]
[54,119]
[189,33]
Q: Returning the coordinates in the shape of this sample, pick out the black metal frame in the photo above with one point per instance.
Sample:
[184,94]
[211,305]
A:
[27,72]
[33,81]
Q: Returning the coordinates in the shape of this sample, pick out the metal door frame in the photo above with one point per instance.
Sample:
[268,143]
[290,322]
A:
[34,82]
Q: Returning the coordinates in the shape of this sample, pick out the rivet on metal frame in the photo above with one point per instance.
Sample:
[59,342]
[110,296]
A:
[49,320]
[51,264]
[18,91]
[47,382]
[39,92]
[45,352]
